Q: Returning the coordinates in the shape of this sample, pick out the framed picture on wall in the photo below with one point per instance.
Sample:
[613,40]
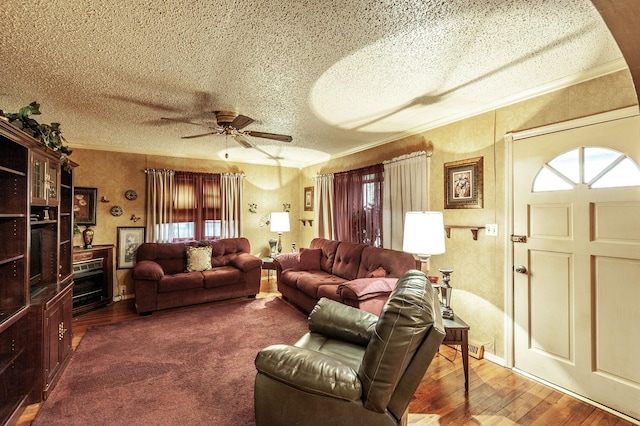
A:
[85,205]
[129,239]
[463,187]
[308,198]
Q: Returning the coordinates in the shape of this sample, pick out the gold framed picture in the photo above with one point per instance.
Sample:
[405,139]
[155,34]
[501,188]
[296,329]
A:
[463,184]
[308,198]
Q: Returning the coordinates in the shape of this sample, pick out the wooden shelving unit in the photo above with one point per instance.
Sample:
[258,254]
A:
[36,215]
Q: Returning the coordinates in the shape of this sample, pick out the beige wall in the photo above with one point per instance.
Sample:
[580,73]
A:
[114,173]
[478,277]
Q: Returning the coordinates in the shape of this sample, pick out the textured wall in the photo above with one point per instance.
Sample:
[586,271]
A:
[478,278]
[114,173]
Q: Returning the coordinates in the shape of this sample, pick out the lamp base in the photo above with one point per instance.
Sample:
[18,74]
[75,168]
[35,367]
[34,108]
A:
[447,313]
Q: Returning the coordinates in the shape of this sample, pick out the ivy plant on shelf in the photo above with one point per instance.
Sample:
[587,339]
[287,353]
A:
[49,135]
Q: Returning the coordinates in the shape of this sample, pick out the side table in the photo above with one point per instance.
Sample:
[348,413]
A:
[267,263]
[457,333]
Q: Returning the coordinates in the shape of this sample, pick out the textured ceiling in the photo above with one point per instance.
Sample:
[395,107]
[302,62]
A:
[337,76]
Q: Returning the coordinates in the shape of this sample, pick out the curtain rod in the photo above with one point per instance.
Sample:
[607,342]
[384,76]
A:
[407,156]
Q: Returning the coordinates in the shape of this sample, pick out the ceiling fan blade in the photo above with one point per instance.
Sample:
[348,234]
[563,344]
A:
[243,141]
[179,120]
[200,135]
[275,137]
[241,121]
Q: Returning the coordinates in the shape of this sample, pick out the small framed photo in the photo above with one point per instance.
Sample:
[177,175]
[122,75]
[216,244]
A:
[463,184]
[129,239]
[85,205]
[308,198]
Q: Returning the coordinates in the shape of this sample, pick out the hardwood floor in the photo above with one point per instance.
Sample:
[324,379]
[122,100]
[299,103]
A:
[497,395]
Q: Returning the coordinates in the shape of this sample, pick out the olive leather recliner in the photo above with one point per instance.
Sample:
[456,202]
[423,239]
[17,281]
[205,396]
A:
[352,367]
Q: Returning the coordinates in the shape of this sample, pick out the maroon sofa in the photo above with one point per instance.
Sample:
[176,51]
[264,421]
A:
[357,275]
[161,280]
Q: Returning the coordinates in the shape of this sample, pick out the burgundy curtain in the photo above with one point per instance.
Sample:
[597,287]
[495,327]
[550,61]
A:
[358,205]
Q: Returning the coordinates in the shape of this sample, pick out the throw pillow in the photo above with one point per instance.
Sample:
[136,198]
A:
[198,259]
[378,273]
[309,260]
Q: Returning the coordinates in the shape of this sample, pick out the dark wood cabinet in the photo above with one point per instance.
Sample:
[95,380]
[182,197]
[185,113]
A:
[52,348]
[36,282]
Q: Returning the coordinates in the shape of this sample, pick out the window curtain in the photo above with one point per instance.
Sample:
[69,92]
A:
[358,205]
[160,189]
[405,189]
[324,207]
[197,206]
[182,206]
[232,195]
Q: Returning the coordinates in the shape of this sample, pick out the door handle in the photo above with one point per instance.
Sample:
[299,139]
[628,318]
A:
[521,269]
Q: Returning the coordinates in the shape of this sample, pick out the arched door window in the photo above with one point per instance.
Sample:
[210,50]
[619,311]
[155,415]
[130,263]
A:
[592,166]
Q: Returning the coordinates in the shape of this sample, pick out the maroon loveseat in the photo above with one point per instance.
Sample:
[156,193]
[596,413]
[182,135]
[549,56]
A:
[354,274]
[161,280]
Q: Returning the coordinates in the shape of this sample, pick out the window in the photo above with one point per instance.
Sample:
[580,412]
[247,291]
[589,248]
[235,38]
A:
[595,167]
[197,201]
[358,205]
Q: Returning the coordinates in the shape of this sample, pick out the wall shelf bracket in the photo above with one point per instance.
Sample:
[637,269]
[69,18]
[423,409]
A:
[473,229]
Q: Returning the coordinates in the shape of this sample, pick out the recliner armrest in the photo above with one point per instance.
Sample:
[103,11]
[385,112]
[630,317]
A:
[339,321]
[147,270]
[309,371]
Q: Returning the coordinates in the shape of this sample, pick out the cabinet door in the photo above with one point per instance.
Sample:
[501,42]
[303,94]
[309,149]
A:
[57,345]
[38,179]
[51,183]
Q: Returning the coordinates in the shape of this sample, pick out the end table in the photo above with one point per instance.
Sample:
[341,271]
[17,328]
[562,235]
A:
[457,333]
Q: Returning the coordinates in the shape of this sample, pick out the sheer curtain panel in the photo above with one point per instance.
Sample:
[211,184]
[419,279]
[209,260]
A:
[160,189]
[324,207]
[232,213]
[405,189]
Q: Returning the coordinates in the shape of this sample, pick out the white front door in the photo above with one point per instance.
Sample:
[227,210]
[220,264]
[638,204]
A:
[577,277]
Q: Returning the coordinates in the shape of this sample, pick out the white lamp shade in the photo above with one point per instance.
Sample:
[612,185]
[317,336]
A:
[280,222]
[423,233]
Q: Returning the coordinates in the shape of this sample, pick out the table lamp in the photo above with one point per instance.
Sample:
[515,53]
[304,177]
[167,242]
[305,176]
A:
[280,224]
[424,237]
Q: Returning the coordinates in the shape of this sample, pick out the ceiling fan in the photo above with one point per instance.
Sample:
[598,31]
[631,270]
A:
[231,123]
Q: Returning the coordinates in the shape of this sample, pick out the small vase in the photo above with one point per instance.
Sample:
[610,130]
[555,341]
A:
[87,236]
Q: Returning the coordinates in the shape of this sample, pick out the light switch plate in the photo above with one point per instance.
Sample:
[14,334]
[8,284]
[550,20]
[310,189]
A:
[491,229]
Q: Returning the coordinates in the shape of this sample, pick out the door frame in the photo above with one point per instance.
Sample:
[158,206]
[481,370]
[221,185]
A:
[509,139]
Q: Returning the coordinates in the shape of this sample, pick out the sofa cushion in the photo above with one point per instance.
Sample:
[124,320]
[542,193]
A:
[309,283]
[347,260]
[172,257]
[221,276]
[330,291]
[394,262]
[180,281]
[309,260]
[328,248]
[198,259]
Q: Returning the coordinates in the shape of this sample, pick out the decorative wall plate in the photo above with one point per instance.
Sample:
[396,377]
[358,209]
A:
[131,194]
[116,211]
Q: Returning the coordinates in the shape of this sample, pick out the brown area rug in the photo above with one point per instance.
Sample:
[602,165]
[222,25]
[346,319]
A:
[191,367]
